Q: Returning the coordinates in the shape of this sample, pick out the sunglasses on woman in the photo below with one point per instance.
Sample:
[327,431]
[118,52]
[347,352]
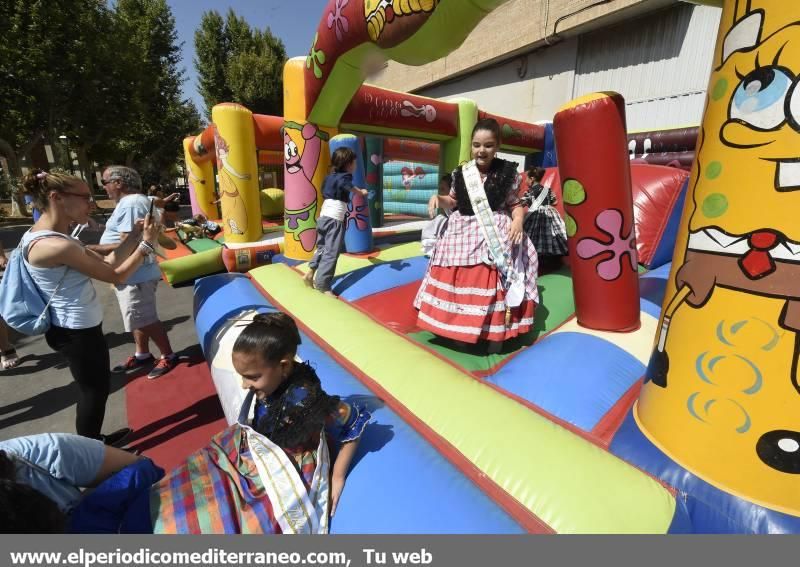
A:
[85,196]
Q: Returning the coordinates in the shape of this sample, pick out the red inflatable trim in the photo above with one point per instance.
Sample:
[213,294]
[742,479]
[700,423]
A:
[374,106]
[398,149]
[516,133]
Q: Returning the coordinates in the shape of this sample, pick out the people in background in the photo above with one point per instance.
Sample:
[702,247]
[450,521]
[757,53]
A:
[543,224]
[8,354]
[137,295]
[63,269]
[433,230]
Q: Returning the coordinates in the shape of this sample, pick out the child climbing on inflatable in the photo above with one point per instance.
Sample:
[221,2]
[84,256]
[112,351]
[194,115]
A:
[481,280]
[543,225]
[336,191]
[281,477]
[438,223]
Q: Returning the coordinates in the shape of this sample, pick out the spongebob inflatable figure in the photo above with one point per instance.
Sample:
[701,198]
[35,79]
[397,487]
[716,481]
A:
[722,395]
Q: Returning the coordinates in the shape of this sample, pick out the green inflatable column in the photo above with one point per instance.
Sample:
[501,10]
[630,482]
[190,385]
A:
[457,150]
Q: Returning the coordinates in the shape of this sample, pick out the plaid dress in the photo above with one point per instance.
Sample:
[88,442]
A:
[544,226]
[462,296]
[218,490]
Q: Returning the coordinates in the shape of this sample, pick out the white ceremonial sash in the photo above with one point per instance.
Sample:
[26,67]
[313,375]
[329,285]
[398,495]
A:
[297,511]
[511,276]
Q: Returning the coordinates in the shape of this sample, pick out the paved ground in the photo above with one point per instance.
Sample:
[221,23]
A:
[39,395]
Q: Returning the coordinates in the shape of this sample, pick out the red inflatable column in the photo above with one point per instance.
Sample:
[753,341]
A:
[591,143]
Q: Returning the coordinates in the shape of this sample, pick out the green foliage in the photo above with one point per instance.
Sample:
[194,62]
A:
[236,63]
[106,77]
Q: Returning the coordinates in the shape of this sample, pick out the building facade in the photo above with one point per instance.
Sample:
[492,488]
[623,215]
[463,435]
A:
[529,57]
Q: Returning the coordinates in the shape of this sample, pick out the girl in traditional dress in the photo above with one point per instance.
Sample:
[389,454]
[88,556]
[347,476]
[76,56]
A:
[543,225]
[272,472]
[481,280]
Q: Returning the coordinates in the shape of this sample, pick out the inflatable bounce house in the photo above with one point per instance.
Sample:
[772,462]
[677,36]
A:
[659,390]
[401,174]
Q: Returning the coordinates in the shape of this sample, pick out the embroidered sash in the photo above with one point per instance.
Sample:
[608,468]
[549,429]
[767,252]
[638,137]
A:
[511,274]
[540,199]
[297,511]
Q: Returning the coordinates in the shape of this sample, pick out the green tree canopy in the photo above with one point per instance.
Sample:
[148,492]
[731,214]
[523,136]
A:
[158,117]
[237,63]
[106,78]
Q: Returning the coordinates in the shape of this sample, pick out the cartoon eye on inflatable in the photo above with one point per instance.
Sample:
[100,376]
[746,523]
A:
[780,450]
[289,150]
[760,99]
[794,108]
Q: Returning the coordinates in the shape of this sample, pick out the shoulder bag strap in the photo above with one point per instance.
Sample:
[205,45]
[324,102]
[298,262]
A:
[24,252]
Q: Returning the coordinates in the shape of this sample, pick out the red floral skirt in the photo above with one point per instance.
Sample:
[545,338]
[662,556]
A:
[467,303]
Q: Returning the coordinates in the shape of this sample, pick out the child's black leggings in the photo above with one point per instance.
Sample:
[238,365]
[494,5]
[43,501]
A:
[86,352]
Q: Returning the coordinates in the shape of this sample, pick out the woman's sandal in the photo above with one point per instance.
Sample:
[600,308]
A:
[9,359]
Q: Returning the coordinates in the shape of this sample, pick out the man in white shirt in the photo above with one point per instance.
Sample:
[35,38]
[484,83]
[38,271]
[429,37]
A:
[137,297]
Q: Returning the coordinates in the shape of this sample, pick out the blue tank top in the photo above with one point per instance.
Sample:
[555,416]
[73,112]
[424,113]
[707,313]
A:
[74,305]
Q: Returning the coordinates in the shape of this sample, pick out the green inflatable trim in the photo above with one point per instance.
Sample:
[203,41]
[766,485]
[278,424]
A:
[569,483]
[558,305]
[447,28]
[193,266]
[203,244]
[392,253]
[457,150]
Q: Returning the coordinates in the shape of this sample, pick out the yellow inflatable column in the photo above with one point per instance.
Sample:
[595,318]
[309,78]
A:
[722,396]
[237,171]
[201,184]
[306,163]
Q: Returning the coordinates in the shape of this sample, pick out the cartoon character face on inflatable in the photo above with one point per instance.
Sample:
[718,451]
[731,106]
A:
[300,194]
[234,209]
[722,395]
[754,115]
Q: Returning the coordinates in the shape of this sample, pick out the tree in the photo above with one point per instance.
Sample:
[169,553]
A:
[107,79]
[159,118]
[236,63]
[47,50]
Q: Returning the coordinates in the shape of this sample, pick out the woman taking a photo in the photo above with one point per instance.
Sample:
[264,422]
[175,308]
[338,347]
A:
[63,269]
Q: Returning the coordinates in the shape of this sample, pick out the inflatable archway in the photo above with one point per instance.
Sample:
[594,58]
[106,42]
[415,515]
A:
[323,93]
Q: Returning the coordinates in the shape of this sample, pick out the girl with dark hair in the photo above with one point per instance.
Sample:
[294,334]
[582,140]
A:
[543,225]
[63,269]
[336,191]
[277,456]
[481,280]
[28,511]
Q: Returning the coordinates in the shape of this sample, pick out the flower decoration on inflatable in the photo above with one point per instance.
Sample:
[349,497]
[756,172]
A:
[620,245]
